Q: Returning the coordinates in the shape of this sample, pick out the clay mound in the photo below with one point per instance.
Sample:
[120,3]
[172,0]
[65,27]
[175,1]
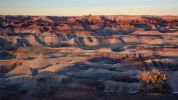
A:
[173,33]
[25,52]
[77,27]
[94,19]
[156,41]
[114,41]
[44,18]
[50,38]
[121,87]
[71,42]
[103,50]
[91,41]
[13,40]
[21,55]
[71,20]
[168,18]
[64,27]
[7,65]
[131,39]
[167,52]
[152,32]
[20,70]
[29,67]
[91,19]
[125,18]
[29,30]
[111,28]
[32,41]
[32,84]
[83,33]
[93,27]
[38,62]
[26,81]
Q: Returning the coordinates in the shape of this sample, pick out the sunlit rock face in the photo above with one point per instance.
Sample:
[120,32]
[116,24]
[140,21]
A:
[85,54]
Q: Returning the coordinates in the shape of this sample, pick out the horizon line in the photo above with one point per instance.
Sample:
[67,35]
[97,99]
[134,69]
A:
[89,15]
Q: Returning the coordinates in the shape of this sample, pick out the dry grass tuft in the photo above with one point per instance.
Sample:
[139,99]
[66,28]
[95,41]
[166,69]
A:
[154,81]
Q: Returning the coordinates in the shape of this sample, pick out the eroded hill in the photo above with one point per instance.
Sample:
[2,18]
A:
[87,54]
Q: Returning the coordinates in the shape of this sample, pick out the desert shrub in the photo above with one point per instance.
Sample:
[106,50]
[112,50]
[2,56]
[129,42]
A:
[154,81]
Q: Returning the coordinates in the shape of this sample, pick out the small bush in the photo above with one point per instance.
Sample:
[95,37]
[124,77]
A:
[154,81]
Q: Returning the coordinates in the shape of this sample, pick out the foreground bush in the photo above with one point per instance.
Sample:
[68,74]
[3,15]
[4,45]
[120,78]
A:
[154,81]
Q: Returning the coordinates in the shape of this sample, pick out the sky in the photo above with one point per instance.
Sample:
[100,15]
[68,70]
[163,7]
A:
[85,7]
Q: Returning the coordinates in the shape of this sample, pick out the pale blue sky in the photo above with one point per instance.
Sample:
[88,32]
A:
[85,7]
